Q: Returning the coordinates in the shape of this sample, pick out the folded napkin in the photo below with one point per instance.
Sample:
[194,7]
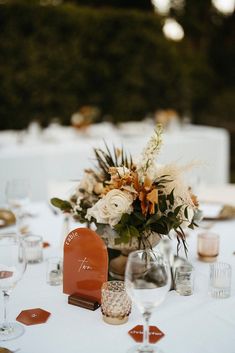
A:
[227,212]
[6,217]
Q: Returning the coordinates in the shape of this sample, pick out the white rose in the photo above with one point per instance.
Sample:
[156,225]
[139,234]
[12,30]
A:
[99,211]
[118,202]
[111,207]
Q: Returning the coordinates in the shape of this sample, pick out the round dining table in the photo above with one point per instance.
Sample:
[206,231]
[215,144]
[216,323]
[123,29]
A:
[192,324]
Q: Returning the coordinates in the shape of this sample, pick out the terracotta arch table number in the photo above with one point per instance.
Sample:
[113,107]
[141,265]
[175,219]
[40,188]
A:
[85,264]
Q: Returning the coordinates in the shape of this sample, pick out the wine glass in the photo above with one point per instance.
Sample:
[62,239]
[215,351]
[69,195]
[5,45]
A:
[147,281]
[17,197]
[17,193]
[12,267]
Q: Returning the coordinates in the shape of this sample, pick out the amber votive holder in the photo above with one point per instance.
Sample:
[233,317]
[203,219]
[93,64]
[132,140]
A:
[115,303]
[208,246]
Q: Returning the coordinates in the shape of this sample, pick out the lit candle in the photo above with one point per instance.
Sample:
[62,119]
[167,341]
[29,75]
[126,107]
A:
[33,248]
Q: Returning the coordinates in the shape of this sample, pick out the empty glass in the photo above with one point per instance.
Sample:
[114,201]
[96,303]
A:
[17,193]
[184,280]
[12,267]
[54,271]
[220,280]
[147,279]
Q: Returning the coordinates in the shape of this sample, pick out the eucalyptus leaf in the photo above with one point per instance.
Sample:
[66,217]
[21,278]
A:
[191,226]
[177,210]
[159,228]
[125,235]
[125,218]
[61,204]
[134,232]
[170,197]
[186,212]
[163,203]
[139,216]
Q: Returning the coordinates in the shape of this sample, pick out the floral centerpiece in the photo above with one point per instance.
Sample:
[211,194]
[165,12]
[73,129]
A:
[129,201]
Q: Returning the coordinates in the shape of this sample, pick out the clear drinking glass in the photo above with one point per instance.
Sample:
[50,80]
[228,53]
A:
[12,267]
[147,280]
[184,280]
[17,193]
[54,274]
[220,280]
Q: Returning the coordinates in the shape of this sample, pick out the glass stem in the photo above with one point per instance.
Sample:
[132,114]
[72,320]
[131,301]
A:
[146,316]
[6,297]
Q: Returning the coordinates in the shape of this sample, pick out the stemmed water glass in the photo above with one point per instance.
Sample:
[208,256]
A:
[17,197]
[147,281]
[12,267]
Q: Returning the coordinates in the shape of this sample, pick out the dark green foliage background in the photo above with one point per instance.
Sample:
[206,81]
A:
[55,59]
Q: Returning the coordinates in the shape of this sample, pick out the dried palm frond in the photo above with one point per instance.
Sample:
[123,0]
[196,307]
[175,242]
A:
[106,159]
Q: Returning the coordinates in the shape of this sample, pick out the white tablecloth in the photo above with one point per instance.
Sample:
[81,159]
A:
[192,324]
[61,153]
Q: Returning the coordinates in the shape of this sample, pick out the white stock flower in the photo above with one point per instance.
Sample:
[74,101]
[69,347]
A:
[90,184]
[77,207]
[121,171]
[111,207]
[146,165]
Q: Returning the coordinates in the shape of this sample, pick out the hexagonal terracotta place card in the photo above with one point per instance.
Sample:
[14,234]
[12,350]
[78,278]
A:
[33,316]
[85,264]
[154,333]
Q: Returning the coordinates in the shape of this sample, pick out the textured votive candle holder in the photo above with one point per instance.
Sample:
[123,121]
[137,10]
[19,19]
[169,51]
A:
[220,280]
[208,246]
[33,248]
[115,303]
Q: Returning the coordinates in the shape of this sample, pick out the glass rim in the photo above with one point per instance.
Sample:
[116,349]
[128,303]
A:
[142,251]
[38,238]
[208,235]
[54,259]
[184,268]
[18,180]
[220,265]
[106,286]
[155,252]
[14,237]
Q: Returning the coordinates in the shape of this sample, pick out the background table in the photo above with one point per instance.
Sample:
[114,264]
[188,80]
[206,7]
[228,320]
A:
[61,153]
[192,324]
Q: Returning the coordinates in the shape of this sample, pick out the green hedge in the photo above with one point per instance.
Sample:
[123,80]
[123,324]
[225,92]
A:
[56,59]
